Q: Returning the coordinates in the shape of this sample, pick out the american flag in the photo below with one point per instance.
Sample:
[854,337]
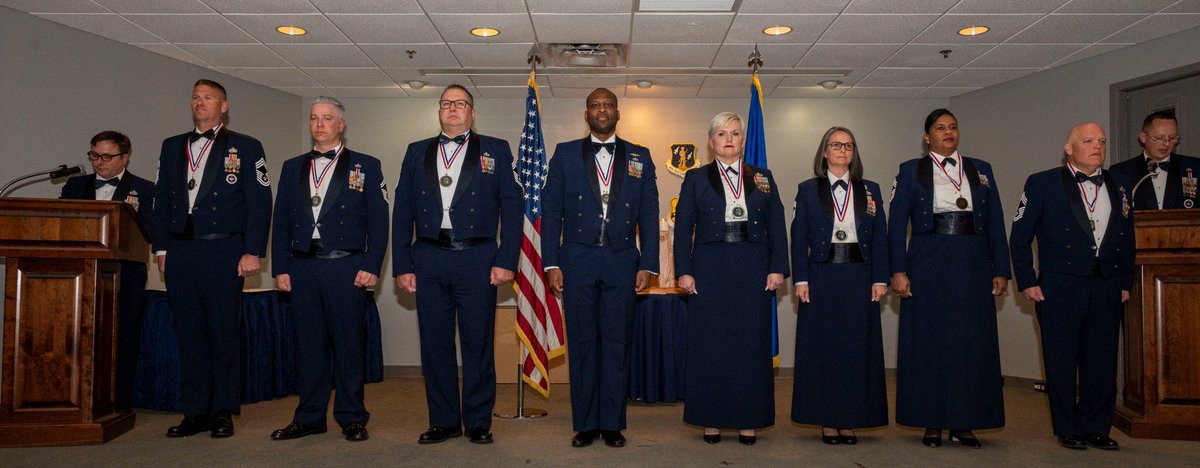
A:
[539,315]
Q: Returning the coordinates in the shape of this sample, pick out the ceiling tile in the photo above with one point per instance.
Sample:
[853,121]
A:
[404,75]
[235,55]
[368,6]
[945,29]
[876,29]
[773,55]
[672,55]
[734,81]
[724,92]
[289,76]
[590,82]
[944,92]
[194,29]
[1006,6]
[173,51]
[561,28]
[692,28]
[492,55]
[1186,6]
[1115,6]
[322,55]
[425,55]
[506,80]
[667,80]
[350,77]
[848,79]
[262,27]
[859,92]
[582,92]
[473,6]
[261,6]
[747,29]
[457,28]
[930,55]
[846,55]
[508,91]
[809,92]
[369,92]
[982,77]
[112,26]
[431,91]
[61,6]
[786,7]
[658,91]
[387,29]
[1154,27]
[155,6]
[1089,51]
[1024,55]
[579,6]
[904,77]
[893,6]
[1074,29]
[308,92]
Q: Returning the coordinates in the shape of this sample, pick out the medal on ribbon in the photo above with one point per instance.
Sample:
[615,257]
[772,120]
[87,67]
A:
[961,202]
[317,180]
[736,190]
[605,176]
[446,180]
[194,159]
[839,210]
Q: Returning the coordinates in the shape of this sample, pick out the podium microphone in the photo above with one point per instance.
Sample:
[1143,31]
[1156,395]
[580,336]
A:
[1152,173]
[58,172]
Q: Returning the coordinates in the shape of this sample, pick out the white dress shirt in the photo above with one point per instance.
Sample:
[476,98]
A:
[847,223]
[731,202]
[200,148]
[446,151]
[945,194]
[106,191]
[318,167]
[1096,205]
[1159,182]
[603,159]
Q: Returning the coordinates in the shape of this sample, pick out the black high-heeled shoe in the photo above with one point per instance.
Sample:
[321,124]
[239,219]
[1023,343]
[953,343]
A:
[847,439]
[712,438]
[830,439]
[747,439]
[932,440]
[966,438]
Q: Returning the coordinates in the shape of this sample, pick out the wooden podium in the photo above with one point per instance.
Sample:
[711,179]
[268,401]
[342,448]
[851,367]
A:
[1162,329]
[60,319]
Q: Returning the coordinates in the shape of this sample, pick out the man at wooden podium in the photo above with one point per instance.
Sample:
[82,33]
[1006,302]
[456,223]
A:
[213,212]
[109,156]
[1173,184]
[1084,230]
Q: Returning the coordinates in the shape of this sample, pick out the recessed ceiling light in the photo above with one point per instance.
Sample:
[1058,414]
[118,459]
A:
[644,84]
[973,30]
[485,32]
[830,84]
[777,30]
[291,30]
[415,84]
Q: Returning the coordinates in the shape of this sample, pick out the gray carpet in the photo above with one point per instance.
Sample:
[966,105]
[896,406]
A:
[657,437]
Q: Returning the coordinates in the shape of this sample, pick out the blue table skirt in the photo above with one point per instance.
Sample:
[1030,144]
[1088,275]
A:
[268,351]
[657,367]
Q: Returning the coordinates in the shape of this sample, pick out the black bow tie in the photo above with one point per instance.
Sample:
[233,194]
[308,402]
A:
[611,147]
[316,154]
[1097,179]
[838,183]
[443,139]
[731,171]
[113,182]
[1152,165]
[950,161]
[192,137]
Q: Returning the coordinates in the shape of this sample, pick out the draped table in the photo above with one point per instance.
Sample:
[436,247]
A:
[658,360]
[268,364]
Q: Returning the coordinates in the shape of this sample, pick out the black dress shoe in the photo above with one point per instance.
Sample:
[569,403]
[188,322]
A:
[480,435]
[1072,442]
[1101,442]
[584,438]
[355,432]
[296,430]
[613,438]
[747,440]
[848,439]
[437,434]
[966,438]
[932,440]
[189,426]
[222,426]
[712,438]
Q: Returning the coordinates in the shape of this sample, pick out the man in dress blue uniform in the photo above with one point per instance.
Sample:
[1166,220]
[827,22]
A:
[1173,184]
[601,198]
[330,233]
[211,219]
[455,190]
[109,156]
[1082,221]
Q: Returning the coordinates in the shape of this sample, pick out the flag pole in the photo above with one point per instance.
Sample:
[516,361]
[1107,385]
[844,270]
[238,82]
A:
[534,58]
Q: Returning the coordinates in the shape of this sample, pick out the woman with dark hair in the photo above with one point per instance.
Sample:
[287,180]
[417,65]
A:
[948,272]
[840,261]
[730,256]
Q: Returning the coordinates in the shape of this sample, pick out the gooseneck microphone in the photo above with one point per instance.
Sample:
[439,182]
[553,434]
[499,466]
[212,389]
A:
[1152,173]
[58,172]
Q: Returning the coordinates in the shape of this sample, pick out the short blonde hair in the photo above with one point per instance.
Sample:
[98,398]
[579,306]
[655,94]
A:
[723,119]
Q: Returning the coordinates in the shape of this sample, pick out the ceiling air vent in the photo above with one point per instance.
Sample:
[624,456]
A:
[587,55]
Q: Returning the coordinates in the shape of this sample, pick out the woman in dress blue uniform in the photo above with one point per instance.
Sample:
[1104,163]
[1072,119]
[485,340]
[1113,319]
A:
[948,369]
[737,260]
[839,254]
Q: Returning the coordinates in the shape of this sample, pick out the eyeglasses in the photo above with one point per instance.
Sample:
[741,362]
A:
[92,156]
[459,104]
[1169,139]
[837,145]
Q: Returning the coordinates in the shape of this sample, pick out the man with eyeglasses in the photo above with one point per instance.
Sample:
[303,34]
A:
[1173,184]
[109,156]
[455,190]
[600,199]
[211,219]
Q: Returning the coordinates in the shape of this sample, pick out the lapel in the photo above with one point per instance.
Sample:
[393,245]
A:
[619,170]
[825,198]
[1071,189]
[1174,188]
[925,172]
[336,183]
[431,173]
[122,188]
[1115,212]
[714,178]
[588,154]
[748,185]
[860,208]
[469,167]
[972,176]
[215,164]
[304,189]
[89,187]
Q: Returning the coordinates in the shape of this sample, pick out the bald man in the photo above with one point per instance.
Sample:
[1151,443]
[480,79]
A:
[1083,225]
